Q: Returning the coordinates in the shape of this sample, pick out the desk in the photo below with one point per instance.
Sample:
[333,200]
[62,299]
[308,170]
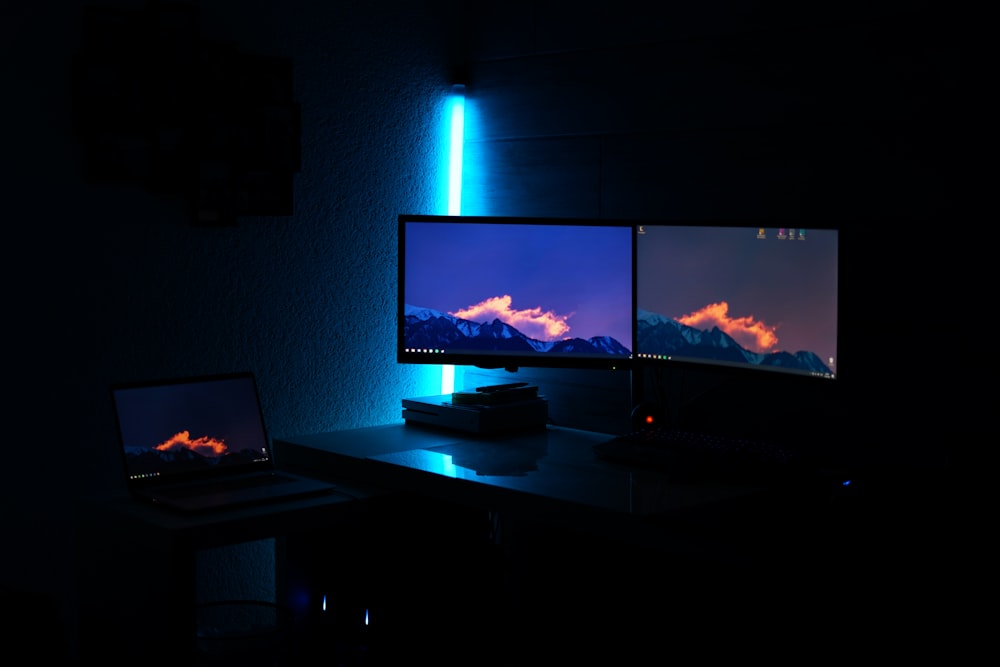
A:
[584,539]
[550,475]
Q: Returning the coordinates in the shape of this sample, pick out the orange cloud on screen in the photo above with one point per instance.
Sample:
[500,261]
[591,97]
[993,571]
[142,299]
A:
[533,322]
[203,445]
[748,332]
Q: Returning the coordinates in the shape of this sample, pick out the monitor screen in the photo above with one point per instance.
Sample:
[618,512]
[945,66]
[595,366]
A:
[507,292]
[738,296]
[172,428]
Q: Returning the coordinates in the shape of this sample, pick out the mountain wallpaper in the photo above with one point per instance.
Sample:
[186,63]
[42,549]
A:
[142,461]
[514,288]
[672,338]
[425,328]
[754,296]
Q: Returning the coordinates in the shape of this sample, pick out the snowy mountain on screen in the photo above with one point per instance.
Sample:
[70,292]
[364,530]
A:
[428,328]
[670,337]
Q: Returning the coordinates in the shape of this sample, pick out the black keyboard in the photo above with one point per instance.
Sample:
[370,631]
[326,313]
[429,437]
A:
[238,483]
[694,455]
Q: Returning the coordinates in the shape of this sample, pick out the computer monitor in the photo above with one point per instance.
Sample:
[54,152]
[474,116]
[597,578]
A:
[738,296]
[510,292]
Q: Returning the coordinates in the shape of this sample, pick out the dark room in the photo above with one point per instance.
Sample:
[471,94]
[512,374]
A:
[338,203]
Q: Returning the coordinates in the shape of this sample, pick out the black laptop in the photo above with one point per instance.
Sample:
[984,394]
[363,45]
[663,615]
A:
[200,443]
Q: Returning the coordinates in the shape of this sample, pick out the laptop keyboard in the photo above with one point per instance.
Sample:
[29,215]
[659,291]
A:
[227,485]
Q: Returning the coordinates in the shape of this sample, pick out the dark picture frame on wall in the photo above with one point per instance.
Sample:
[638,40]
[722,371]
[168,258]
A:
[156,104]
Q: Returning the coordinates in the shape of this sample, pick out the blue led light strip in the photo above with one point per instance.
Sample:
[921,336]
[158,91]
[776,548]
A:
[457,139]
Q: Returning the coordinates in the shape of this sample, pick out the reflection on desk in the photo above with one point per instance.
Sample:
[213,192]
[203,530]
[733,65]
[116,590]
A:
[492,458]
[550,466]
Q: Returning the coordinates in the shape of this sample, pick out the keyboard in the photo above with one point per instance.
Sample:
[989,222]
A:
[238,483]
[699,456]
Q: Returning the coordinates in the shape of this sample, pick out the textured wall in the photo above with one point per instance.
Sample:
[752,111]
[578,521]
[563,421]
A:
[113,282]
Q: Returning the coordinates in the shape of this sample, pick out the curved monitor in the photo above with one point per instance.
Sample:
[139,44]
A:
[738,296]
[507,292]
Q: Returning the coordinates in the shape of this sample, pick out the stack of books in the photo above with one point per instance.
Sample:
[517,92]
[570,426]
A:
[493,409]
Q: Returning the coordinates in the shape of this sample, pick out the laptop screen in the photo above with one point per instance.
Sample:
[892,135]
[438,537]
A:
[186,428]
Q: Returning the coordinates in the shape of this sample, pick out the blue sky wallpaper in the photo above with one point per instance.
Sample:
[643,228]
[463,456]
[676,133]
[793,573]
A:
[550,281]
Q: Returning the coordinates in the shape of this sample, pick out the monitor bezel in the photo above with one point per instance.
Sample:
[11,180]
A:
[493,359]
[720,368]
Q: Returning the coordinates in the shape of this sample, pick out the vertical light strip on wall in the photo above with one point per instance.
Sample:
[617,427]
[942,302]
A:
[457,139]
[457,144]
